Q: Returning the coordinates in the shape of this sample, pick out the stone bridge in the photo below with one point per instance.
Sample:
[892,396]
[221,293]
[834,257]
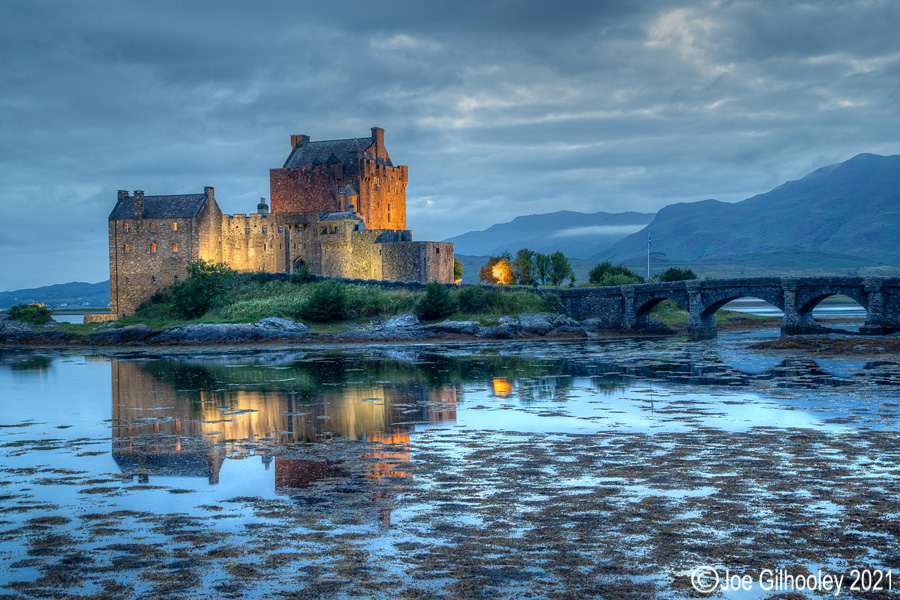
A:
[629,306]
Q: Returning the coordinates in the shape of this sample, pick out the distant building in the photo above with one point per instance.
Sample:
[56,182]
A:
[338,209]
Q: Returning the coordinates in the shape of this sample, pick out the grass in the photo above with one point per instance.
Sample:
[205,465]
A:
[247,300]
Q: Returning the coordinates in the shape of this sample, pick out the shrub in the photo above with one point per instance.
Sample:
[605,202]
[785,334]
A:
[195,295]
[436,303]
[676,274]
[328,302]
[474,299]
[301,275]
[606,273]
[457,270]
[35,314]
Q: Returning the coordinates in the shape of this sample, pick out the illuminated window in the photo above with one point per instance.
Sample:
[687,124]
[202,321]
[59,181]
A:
[152,248]
[334,229]
[174,225]
[152,226]
[125,227]
[126,249]
[174,246]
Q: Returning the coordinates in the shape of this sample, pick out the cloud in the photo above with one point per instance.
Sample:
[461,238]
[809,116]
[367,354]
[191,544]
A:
[595,230]
[499,108]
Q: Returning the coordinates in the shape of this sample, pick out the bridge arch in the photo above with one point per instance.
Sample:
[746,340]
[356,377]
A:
[645,303]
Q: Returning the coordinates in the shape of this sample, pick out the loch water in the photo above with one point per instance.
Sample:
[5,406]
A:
[606,468]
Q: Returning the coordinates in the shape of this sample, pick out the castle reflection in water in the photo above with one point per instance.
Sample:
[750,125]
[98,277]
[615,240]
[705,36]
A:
[177,418]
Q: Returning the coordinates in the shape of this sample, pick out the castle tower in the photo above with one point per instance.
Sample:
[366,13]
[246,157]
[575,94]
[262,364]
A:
[316,177]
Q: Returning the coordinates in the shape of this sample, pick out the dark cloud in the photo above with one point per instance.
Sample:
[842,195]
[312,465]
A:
[499,107]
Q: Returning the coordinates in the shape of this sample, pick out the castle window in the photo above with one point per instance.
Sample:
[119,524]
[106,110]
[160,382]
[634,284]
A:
[152,279]
[126,249]
[247,231]
[174,225]
[437,250]
[334,229]
[152,248]
[265,230]
[280,229]
[152,226]
[324,231]
[127,281]
[126,228]
[174,246]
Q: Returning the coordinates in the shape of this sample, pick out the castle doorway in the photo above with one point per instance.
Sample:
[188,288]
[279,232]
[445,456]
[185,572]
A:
[299,263]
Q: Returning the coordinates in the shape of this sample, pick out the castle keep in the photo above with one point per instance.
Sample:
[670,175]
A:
[338,208]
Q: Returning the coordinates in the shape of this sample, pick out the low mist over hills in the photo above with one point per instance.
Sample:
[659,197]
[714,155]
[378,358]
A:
[576,234]
[844,214]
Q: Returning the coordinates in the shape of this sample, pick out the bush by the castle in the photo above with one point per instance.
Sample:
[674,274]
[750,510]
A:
[676,274]
[35,314]
[328,302]
[206,281]
[474,299]
[301,275]
[606,273]
[436,303]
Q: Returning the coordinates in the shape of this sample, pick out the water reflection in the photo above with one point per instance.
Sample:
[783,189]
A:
[177,418]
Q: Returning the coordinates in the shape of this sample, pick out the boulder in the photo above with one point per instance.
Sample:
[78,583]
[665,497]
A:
[535,323]
[398,321]
[279,324]
[121,335]
[463,327]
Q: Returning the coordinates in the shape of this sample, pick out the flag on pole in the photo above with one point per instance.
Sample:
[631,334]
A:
[648,241]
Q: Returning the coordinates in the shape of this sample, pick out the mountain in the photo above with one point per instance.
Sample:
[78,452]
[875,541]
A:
[843,214]
[575,234]
[74,294]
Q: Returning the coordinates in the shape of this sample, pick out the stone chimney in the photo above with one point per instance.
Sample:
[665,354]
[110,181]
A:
[299,140]
[210,192]
[138,204]
[378,136]
[123,194]
[262,208]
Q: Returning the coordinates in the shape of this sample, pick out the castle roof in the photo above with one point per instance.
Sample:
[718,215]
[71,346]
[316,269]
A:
[327,152]
[161,207]
[341,216]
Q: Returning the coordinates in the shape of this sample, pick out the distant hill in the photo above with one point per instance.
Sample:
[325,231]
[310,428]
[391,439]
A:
[73,294]
[575,234]
[843,216]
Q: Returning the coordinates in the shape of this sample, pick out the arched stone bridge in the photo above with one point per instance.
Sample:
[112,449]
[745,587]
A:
[629,306]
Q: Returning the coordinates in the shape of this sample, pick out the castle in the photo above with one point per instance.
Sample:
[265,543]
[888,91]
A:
[338,208]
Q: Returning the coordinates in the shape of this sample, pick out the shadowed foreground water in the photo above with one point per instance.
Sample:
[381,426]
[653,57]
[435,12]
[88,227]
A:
[529,470]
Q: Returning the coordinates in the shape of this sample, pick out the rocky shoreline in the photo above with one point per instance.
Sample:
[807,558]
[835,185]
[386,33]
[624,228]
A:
[277,330]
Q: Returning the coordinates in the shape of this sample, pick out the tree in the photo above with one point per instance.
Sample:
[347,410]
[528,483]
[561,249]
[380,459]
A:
[496,270]
[457,270]
[676,274]
[35,314]
[560,268]
[206,281]
[542,267]
[328,302]
[606,273]
[436,303]
[524,267]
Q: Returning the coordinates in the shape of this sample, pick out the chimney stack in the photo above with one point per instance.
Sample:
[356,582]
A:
[378,136]
[210,192]
[138,204]
[262,208]
[299,140]
[123,194]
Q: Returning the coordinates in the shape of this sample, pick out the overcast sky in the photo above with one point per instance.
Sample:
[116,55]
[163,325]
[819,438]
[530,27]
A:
[499,107]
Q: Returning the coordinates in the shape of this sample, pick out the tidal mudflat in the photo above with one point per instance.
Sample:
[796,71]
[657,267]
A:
[602,469]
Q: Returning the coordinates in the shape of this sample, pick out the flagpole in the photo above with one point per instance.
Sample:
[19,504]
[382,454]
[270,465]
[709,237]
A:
[648,256]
